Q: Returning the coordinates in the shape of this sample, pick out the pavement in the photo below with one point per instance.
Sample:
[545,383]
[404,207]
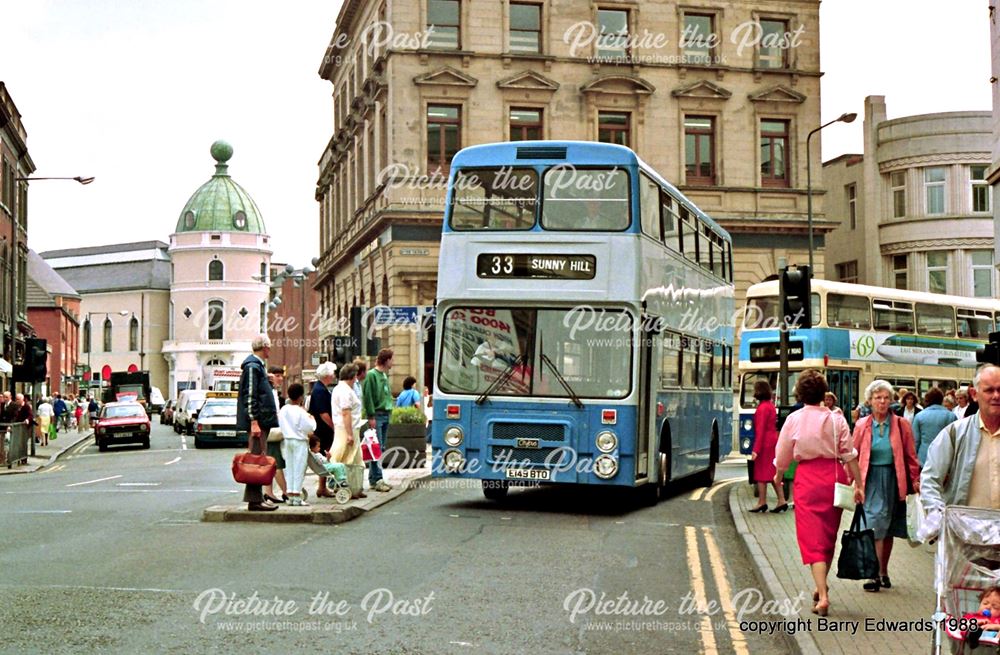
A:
[773,549]
[46,455]
[324,510]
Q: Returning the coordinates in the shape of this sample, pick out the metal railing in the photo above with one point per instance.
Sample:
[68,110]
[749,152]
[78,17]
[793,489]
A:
[14,443]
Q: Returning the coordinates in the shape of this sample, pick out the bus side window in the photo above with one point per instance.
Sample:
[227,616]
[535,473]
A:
[719,368]
[729,263]
[893,316]
[689,363]
[668,217]
[689,235]
[936,320]
[705,364]
[650,207]
[848,311]
[670,361]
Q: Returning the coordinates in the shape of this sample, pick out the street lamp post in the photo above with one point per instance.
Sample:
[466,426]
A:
[90,345]
[13,282]
[843,118]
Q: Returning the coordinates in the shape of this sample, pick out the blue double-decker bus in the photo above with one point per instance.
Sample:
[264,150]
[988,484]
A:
[584,322]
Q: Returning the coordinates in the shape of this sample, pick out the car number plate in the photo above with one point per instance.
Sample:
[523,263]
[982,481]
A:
[226,433]
[125,434]
[527,474]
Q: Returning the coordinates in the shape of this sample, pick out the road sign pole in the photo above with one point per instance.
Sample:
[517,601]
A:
[782,345]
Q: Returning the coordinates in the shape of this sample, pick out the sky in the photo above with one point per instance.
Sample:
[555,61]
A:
[134,93]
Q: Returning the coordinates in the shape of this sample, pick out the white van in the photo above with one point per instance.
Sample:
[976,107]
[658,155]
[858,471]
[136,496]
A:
[188,404]
[156,401]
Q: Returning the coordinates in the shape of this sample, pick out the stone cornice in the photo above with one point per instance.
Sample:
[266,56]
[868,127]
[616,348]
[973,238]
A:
[936,244]
[937,158]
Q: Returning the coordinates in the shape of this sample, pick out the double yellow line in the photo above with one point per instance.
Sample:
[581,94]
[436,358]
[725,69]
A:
[718,571]
[57,467]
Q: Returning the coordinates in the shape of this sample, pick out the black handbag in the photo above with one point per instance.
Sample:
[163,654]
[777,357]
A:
[858,559]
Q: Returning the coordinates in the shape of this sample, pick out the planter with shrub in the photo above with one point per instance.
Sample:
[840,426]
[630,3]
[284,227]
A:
[406,443]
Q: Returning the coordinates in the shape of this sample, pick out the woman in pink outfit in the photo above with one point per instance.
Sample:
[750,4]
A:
[816,438]
[765,430]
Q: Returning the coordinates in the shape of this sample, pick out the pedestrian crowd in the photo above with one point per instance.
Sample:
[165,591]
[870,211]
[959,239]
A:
[325,428]
[898,448]
[48,416]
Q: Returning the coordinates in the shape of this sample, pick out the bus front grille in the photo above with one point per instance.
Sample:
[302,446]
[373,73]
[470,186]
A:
[540,431]
[518,456]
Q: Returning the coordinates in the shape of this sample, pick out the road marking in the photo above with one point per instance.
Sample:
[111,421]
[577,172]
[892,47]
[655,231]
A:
[57,467]
[40,511]
[78,484]
[184,442]
[698,586]
[714,490]
[173,461]
[726,594]
[697,494]
[66,586]
[138,484]
[80,447]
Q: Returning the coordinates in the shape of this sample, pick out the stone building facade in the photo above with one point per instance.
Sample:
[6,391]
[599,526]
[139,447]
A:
[916,208]
[724,115]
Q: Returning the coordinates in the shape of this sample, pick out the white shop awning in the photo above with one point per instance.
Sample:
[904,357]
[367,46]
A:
[5,367]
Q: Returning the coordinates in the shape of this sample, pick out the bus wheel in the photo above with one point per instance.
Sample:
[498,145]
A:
[495,489]
[664,477]
[707,477]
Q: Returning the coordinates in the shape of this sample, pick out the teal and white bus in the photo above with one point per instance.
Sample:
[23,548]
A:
[860,333]
[583,322]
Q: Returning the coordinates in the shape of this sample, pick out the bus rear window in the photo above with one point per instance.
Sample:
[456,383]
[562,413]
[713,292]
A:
[494,199]
[586,199]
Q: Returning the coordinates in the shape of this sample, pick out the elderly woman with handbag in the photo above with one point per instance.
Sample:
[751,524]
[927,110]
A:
[889,470]
[816,438]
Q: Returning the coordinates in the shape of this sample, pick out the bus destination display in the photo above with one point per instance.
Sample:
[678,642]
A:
[547,267]
[771,351]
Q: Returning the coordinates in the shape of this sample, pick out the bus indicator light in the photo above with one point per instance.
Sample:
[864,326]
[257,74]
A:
[609,416]
[453,412]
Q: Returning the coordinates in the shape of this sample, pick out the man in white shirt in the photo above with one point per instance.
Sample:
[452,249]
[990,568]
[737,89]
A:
[296,425]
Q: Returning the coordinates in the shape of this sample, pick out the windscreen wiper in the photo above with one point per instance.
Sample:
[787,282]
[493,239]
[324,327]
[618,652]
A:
[565,385]
[507,374]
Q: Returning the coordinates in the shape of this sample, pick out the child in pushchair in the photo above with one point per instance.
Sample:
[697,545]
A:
[967,572]
[334,472]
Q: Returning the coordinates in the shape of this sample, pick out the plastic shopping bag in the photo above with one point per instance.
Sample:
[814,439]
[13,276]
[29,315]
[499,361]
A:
[914,519]
[371,449]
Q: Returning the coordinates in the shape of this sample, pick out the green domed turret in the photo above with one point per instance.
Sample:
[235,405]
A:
[221,205]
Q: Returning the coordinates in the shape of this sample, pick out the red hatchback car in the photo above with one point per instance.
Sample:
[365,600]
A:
[124,422]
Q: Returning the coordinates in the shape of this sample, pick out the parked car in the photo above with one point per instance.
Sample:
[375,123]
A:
[216,424]
[124,422]
[167,413]
[188,404]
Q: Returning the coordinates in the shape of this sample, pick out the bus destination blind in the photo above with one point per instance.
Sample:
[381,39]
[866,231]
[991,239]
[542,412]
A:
[543,267]
[771,351]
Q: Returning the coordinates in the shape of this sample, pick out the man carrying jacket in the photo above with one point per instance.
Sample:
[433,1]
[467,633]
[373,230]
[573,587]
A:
[256,413]
[963,461]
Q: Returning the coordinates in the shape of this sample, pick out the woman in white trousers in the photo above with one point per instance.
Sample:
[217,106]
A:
[296,425]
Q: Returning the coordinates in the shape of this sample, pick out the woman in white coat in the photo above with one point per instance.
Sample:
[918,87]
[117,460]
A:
[296,425]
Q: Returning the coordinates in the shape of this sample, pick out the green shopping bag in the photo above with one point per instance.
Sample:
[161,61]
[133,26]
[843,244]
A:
[790,473]
[52,432]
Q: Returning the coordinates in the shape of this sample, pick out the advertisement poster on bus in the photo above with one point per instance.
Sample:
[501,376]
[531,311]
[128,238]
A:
[912,349]
[479,346]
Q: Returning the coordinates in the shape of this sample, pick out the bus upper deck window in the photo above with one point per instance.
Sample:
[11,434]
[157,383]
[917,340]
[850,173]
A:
[494,199]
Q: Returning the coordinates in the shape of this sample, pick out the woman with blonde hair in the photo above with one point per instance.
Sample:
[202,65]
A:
[817,438]
[346,412]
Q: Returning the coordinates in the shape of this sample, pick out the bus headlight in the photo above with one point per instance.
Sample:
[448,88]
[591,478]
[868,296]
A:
[607,441]
[606,466]
[453,436]
[453,461]
[748,424]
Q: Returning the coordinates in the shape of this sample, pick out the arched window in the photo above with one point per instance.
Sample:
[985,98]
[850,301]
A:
[215,319]
[263,318]
[215,362]
[215,270]
[86,336]
[133,334]
[107,335]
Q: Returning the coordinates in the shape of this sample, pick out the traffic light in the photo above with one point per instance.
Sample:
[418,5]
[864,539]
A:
[795,295]
[990,353]
[35,365]
[359,331]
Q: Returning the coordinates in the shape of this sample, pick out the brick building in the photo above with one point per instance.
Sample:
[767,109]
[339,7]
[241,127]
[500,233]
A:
[293,324]
[54,313]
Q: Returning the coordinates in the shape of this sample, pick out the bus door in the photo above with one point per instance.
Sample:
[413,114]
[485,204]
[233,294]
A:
[646,402]
[844,384]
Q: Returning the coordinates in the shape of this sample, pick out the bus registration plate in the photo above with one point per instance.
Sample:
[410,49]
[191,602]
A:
[527,474]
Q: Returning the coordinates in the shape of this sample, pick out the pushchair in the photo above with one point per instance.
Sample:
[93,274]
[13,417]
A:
[336,479]
[967,563]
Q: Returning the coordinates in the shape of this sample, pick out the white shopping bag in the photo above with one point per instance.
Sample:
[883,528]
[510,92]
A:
[914,519]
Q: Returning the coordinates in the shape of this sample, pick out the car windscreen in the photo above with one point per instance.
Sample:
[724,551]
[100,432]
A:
[195,405]
[120,412]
